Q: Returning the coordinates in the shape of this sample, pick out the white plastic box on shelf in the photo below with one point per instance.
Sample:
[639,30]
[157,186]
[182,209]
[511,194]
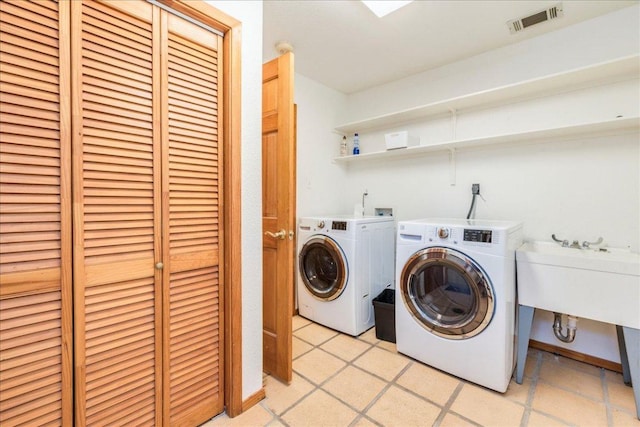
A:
[401,139]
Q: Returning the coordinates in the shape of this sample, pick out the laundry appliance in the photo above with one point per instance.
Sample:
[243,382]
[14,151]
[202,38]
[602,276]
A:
[456,296]
[343,263]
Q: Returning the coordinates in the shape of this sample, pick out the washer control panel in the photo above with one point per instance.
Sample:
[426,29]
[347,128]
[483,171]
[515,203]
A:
[339,225]
[484,236]
[460,235]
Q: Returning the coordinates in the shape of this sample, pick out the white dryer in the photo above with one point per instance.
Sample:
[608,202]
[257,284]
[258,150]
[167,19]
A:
[343,263]
[456,296]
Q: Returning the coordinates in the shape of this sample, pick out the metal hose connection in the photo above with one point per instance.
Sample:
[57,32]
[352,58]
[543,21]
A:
[571,327]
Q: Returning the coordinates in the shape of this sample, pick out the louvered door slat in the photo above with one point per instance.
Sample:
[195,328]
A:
[118,339]
[115,90]
[33,13]
[190,344]
[29,54]
[26,139]
[110,99]
[117,147]
[37,373]
[128,410]
[99,57]
[128,82]
[185,103]
[32,410]
[32,106]
[35,223]
[28,63]
[203,95]
[21,24]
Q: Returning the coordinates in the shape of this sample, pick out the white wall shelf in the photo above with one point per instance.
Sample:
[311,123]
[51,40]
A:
[618,68]
[618,125]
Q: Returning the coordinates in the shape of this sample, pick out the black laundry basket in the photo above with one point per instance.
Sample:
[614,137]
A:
[385,315]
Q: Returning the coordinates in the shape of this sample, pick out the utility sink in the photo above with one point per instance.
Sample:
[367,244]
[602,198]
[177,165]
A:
[602,285]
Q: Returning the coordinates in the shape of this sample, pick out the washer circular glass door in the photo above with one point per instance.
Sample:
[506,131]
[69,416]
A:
[323,268]
[447,293]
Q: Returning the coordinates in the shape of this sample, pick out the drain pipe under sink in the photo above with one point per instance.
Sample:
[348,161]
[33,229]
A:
[571,327]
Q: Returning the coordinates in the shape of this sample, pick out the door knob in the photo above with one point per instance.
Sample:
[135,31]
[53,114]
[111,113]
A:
[159,265]
[277,235]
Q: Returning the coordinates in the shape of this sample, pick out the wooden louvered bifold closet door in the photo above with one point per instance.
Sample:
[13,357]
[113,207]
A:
[35,215]
[146,255]
[116,173]
[191,218]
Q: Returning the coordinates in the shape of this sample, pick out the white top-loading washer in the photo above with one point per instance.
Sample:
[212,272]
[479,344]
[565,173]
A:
[343,263]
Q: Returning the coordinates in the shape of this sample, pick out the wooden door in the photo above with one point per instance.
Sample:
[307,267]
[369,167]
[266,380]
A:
[278,214]
[192,219]
[35,215]
[117,215]
[146,220]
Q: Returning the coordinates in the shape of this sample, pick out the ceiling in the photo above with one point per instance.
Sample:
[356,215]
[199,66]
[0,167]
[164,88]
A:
[343,45]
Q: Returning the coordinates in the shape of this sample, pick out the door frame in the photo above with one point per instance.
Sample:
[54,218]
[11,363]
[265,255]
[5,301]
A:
[231,204]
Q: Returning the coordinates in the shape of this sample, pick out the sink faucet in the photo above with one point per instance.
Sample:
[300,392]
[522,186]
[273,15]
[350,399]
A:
[564,243]
[576,244]
[586,244]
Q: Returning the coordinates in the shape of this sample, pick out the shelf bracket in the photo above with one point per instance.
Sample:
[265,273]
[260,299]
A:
[452,166]
[454,123]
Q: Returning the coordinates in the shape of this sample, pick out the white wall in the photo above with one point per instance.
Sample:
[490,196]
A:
[250,14]
[609,36]
[320,181]
[579,188]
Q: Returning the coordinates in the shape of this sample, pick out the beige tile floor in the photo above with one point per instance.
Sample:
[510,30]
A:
[339,380]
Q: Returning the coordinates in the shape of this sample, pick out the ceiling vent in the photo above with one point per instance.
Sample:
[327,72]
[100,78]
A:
[517,25]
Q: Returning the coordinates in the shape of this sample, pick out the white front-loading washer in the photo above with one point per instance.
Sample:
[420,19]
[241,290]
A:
[343,263]
[456,296]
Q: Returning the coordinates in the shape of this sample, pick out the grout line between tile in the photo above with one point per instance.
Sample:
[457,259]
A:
[274,416]
[319,386]
[532,389]
[535,380]
[383,391]
[361,413]
[447,406]
[400,386]
[607,401]
[304,352]
[336,333]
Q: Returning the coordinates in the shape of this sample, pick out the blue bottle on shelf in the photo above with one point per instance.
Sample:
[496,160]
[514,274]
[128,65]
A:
[356,144]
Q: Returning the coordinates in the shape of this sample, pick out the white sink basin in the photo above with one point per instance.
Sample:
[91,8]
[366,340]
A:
[603,286]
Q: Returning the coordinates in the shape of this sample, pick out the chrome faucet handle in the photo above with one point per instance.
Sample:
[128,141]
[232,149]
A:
[564,243]
[586,244]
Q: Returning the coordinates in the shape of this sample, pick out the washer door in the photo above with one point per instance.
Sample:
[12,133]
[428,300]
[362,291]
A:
[323,267]
[447,293]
